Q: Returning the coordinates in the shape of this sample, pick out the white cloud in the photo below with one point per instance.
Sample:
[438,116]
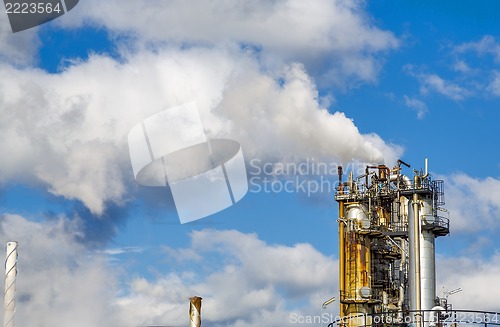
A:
[482,77]
[294,274]
[433,82]
[471,72]
[475,275]
[240,288]
[58,283]
[473,203]
[461,66]
[323,31]
[487,45]
[419,106]
[19,48]
[494,86]
[430,82]
[68,130]
[123,250]
[61,283]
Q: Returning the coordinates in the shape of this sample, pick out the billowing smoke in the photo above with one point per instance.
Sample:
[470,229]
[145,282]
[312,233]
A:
[68,132]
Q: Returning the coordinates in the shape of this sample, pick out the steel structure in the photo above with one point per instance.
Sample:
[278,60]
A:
[388,223]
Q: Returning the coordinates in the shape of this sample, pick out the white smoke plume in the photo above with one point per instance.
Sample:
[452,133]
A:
[68,131]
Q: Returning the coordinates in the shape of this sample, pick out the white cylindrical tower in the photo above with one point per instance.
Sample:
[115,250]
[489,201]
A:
[195,311]
[428,256]
[10,284]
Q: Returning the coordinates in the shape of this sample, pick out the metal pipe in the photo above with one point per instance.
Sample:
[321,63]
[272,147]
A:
[10,284]
[403,253]
[404,163]
[426,171]
[415,257]
[327,302]
[398,175]
[385,300]
[341,257]
[340,172]
[401,275]
[350,182]
[195,311]
[401,297]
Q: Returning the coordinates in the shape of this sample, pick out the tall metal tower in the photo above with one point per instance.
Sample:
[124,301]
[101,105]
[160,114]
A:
[388,223]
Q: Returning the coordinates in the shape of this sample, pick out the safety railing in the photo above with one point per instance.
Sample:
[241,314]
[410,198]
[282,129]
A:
[439,225]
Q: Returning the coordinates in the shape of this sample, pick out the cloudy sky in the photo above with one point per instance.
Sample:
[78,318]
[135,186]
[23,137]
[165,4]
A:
[294,82]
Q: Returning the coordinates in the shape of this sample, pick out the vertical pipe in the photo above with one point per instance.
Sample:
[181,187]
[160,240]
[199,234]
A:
[195,311]
[10,284]
[341,244]
[411,257]
[416,257]
[401,273]
[341,258]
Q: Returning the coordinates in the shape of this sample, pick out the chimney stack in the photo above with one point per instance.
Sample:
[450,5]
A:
[10,284]
[195,311]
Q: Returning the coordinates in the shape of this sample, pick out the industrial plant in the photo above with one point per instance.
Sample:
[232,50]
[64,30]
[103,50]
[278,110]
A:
[388,223]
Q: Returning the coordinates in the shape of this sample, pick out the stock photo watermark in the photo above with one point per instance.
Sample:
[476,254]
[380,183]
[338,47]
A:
[206,175]
[26,14]
[329,319]
[323,319]
[307,177]
[171,149]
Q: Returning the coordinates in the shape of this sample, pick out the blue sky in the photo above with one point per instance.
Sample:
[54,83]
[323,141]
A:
[341,82]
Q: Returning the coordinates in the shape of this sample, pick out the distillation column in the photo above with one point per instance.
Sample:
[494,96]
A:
[427,255]
[422,283]
[356,264]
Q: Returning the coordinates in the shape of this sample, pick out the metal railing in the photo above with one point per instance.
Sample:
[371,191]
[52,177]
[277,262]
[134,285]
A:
[440,225]
[438,186]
